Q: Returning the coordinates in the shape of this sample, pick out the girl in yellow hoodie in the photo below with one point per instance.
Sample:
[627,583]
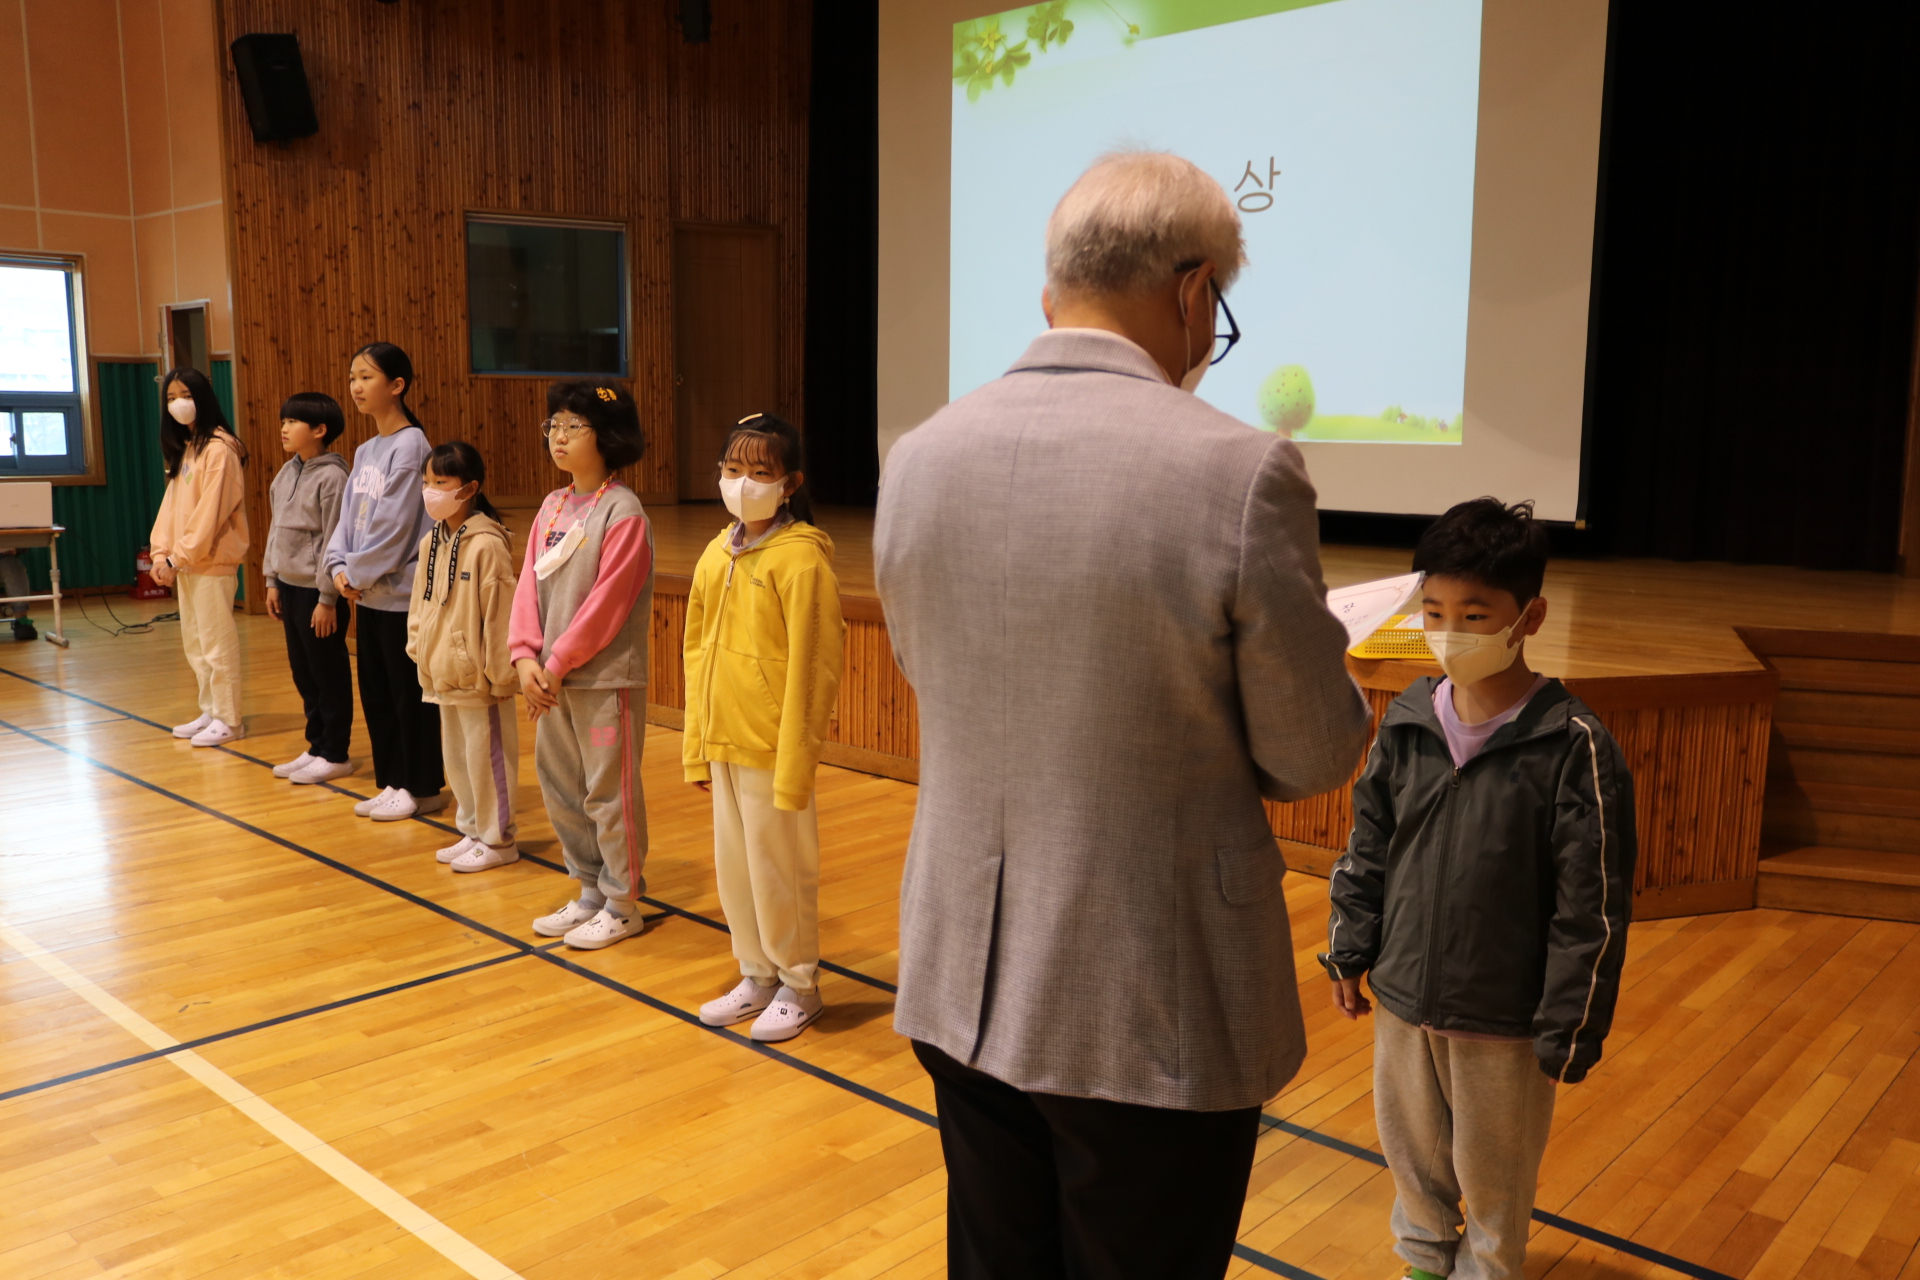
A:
[764,652]
[199,539]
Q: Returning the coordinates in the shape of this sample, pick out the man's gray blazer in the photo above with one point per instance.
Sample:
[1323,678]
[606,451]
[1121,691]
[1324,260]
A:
[1107,596]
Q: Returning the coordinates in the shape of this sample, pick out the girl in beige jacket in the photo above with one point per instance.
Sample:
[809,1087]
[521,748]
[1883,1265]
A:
[199,539]
[457,637]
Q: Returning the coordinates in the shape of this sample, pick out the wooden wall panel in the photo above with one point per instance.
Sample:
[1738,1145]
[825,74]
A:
[434,108]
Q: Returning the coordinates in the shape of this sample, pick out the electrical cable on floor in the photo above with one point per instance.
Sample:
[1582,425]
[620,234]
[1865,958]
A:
[119,628]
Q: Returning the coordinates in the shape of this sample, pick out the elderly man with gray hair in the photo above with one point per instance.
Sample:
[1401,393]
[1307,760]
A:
[1107,597]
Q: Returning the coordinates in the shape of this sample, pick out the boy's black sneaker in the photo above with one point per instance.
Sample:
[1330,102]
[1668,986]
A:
[23,629]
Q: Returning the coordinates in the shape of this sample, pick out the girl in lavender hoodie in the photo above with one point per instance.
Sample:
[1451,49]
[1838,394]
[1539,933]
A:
[371,559]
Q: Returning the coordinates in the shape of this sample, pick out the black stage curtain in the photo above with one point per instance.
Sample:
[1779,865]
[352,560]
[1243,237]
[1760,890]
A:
[843,219]
[1755,285]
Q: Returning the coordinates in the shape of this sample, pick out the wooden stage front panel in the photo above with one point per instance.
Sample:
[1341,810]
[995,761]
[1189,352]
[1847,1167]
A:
[1649,645]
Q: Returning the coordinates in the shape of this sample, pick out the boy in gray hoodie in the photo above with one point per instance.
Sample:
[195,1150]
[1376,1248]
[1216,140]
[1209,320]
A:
[306,506]
[1485,895]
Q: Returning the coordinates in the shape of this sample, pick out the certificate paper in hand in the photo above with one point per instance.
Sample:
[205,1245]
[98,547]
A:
[1365,606]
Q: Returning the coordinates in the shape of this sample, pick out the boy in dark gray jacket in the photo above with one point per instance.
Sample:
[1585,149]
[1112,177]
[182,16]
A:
[1485,894]
[306,505]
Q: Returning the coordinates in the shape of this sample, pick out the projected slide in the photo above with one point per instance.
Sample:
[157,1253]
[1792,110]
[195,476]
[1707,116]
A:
[1343,129]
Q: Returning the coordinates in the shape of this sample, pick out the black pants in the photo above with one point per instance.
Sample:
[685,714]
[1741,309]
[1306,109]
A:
[404,730]
[322,672]
[1045,1186]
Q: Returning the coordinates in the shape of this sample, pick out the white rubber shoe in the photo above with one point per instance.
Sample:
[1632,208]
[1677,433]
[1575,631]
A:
[481,857]
[216,734]
[790,1013]
[395,805]
[192,726]
[455,849]
[365,807]
[294,765]
[745,1001]
[603,930]
[567,918]
[320,769]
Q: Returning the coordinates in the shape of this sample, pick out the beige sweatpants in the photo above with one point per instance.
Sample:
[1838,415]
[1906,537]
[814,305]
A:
[586,752]
[767,863]
[1460,1119]
[480,747]
[212,641]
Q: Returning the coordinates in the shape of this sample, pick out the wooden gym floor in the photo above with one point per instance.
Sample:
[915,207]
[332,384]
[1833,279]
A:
[386,1074]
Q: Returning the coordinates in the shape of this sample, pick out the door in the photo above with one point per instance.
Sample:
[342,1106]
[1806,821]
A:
[724,337]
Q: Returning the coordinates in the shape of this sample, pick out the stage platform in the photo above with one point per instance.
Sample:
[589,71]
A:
[1763,710]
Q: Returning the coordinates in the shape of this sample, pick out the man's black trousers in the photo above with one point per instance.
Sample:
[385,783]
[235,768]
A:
[1045,1186]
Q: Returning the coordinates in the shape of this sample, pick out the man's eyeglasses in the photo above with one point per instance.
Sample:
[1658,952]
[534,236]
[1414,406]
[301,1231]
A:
[563,430]
[1232,335]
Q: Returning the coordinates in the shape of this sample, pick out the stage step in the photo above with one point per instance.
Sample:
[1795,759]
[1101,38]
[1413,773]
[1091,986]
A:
[1843,882]
[1841,828]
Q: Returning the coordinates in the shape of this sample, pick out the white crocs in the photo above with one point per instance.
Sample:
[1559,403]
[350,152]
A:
[396,804]
[481,857]
[743,1002]
[790,1013]
[455,849]
[193,726]
[293,766]
[365,807]
[216,734]
[321,769]
[568,917]
[603,930]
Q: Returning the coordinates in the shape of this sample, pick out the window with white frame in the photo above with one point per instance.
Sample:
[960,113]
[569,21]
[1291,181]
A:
[42,409]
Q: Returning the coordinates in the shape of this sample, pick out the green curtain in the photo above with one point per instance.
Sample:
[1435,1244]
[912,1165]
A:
[106,524]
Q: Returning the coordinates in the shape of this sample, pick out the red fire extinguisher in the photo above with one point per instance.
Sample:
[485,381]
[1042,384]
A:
[144,587]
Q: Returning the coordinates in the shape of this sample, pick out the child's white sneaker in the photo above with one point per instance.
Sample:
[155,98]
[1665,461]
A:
[482,857]
[215,734]
[321,769]
[395,805]
[192,726]
[293,766]
[603,930]
[790,1013]
[455,849]
[743,1002]
[567,918]
[365,807]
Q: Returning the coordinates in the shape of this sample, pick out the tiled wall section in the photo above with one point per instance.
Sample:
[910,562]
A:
[110,147]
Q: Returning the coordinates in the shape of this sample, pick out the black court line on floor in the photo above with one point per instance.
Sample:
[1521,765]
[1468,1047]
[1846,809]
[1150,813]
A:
[656,903]
[1244,1252]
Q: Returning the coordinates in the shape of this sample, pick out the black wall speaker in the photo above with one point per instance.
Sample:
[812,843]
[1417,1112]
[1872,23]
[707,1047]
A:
[696,21]
[273,84]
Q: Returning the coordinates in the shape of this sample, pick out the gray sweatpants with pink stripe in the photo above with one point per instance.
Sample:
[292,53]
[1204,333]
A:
[587,753]
[481,749]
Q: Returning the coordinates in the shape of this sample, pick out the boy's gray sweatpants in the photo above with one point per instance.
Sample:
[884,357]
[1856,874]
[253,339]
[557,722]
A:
[586,752]
[1460,1119]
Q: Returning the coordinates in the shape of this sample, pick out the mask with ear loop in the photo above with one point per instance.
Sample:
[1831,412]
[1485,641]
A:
[183,411]
[1190,380]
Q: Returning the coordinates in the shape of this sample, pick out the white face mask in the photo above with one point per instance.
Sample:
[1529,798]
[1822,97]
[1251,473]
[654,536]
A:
[183,411]
[442,504]
[750,499]
[1468,657]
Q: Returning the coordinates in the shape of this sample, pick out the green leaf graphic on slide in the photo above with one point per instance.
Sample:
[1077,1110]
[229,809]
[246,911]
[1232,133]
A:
[982,52]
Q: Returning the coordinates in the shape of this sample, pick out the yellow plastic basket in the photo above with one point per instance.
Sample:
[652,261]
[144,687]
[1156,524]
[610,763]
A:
[1393,640]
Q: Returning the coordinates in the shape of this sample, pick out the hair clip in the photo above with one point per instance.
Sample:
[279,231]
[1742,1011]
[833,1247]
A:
[607,393]
[752,417]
